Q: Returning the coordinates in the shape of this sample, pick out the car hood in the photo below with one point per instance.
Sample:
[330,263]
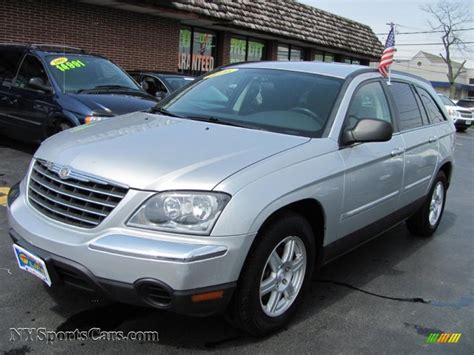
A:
[153,152]
[116,104]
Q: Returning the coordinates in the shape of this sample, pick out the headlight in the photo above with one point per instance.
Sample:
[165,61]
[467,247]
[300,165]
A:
[454,113]
[92,119]
[180,212]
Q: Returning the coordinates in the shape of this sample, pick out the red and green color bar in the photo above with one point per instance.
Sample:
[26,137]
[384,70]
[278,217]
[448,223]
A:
[451,338]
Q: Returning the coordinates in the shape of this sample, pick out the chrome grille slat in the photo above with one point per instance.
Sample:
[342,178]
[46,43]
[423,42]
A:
[84,220]
[68,205]
[65,193]
[45,172]
[84,203]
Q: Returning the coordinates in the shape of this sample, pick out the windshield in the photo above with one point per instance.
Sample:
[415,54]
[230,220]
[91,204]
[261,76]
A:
[446,101]
[466,103]
[77,73]
[177,82]
[275,100]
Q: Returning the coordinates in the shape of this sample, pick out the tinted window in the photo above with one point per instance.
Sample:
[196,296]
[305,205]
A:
[433,111]
[466,103]
[31,68]
[410,116]
[275,100]
[9,60]
[152,85]
[176,82]
[368,102]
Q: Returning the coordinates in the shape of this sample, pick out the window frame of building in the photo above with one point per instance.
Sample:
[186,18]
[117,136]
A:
[214,50]
[290,47]
[247,40]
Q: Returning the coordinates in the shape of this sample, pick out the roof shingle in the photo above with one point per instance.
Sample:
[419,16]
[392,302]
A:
[289,18]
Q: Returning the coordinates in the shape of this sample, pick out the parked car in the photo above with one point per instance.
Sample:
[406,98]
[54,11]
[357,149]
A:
[461,117]
[230,193]
[161,84]
[46,88]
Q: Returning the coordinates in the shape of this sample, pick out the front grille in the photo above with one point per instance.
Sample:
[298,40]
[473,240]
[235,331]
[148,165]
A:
[465,114]
[77,200]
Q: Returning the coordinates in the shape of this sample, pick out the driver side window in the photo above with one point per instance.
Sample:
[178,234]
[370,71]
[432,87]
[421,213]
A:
[31,68]
[369,101]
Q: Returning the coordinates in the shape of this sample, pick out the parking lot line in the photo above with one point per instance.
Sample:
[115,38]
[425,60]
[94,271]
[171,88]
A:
[3,195]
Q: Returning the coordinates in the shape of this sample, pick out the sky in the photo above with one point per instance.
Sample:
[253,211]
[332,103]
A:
[406,14]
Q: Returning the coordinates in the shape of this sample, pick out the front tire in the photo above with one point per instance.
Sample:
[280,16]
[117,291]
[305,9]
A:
[275,276]
[426,220]
[461,129]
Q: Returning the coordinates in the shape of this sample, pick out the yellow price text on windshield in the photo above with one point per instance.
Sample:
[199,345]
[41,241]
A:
[68,65]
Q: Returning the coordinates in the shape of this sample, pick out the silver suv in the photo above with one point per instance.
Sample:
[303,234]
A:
[228,195]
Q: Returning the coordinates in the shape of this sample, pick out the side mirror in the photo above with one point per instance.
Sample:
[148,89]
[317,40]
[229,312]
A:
[160,95]
[38,84]
[368,130]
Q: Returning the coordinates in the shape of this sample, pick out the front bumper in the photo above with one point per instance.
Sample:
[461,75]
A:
[143,292]
[127,264]
[463,122]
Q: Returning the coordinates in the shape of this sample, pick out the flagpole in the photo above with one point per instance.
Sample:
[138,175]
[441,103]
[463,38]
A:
[389,81]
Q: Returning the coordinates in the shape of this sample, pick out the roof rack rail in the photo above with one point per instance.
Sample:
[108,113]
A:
[59,46]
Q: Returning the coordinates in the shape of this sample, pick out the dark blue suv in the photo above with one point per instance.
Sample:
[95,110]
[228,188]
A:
[46,88]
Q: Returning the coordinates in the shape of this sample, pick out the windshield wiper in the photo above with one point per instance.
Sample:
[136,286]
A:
[106,88]
[212,119]
[163,111]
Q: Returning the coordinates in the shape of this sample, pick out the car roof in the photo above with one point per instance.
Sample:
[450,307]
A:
[334,69]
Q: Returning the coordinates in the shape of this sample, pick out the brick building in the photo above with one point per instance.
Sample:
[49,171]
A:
[189,35]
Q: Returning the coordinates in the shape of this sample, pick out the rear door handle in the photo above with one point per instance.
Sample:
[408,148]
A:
[433,139]
[397,151]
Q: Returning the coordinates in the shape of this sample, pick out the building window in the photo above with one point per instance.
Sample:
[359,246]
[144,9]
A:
[355,61]
[328,57]
[318,57]
[289,52]
[471,81]
[244,49]
[197,51]
[283,52]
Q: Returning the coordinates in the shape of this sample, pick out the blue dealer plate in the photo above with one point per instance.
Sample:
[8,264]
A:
[31,263]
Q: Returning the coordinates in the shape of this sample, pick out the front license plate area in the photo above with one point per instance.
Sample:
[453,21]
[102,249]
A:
[31,263]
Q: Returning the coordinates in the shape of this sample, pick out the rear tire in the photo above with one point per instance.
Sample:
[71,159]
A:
[461,129]
[275,276]
[426,220]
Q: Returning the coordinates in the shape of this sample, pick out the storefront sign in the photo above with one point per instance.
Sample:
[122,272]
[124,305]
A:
[200,63]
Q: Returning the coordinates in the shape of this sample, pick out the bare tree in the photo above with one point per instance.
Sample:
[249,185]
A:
[450,17]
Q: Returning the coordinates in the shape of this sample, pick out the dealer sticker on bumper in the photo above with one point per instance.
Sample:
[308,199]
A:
[31,263]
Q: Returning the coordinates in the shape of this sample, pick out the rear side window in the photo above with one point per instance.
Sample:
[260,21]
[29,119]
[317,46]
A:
[9,59]
[432,110]
[408,110]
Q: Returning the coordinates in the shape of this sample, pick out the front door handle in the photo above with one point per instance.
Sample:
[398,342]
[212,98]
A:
[397,151]
[433,139]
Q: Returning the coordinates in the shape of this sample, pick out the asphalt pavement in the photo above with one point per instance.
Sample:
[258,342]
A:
[386,297]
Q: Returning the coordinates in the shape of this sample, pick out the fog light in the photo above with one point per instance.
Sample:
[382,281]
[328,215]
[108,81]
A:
[208,296]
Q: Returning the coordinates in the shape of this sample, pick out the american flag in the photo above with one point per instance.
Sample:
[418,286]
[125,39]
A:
[388,53]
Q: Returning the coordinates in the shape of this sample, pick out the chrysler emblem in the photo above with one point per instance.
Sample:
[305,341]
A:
[64,173]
